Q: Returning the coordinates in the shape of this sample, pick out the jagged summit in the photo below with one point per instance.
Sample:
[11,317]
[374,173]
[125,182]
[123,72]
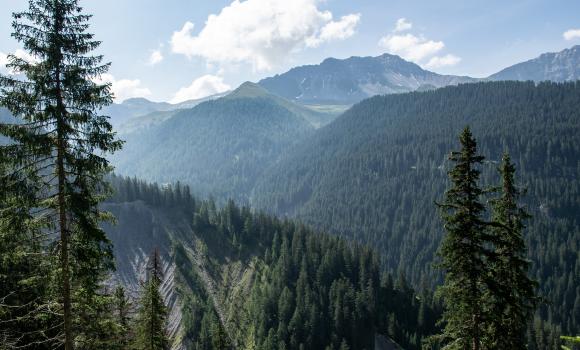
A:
[346,81]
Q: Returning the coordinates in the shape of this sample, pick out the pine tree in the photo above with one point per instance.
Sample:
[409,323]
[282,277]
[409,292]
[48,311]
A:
[59,145]
[462,252]
[122,310]
[152,315]
[512,293]
[24,302]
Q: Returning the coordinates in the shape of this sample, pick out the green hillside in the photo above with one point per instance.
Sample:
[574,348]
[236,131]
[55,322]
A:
[374,174]
[218,147]
[250,280]
[316,115]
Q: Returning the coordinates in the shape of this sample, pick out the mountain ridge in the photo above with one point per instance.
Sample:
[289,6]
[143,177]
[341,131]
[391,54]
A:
[347,81]
[553,66]
[218,147]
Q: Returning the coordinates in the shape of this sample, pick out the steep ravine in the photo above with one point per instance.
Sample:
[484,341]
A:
[140,229]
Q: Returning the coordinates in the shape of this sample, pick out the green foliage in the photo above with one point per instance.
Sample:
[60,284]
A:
[219,147]
[373,174]
[24,273]
[488,297]
[122,312]
[203,329]
[463,250]
[307,290]
[54,158]
[572,343]
[511,297]
[151,320]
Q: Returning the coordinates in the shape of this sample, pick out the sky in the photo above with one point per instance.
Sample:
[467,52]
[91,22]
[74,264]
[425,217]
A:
[176,50]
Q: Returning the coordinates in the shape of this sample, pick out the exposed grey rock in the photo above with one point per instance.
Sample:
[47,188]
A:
[554,66]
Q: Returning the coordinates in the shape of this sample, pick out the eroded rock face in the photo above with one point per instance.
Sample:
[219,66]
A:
[140,230]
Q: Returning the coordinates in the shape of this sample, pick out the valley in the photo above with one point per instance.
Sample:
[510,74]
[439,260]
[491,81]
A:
[243,181]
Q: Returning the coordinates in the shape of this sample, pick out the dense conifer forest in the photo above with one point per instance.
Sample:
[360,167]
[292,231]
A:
[307,289]
[374,174]
[219,147]
[438,219]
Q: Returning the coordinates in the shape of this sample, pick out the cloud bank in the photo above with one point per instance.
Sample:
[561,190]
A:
[416,48]
[262,32]
[571,34]
[123,89]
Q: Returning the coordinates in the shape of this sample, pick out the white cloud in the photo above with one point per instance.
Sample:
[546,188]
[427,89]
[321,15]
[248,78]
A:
[402,25]
[201,87]
[3,62]
[443,61]
[416,48]
[155,57]
[411,47]
[124,88]
[336,30]
[20,53]
[571,34]
[261,32]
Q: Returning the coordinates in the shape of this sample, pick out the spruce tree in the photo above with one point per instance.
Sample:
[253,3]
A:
[152,315]
[59,146]
[24,304]
[122,306]
[511,295]
[463,253]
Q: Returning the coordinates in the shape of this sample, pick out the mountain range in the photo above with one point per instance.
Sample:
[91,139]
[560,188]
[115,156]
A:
[219,147]
[350,80]
[316,146]
[371,176]
[335,84]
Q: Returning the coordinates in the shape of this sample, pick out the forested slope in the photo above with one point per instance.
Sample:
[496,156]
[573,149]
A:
[235,278]
[218,147]
[374,174]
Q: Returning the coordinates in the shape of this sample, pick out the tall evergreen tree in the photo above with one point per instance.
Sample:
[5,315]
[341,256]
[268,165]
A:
[512,293]
[24,302]
[152,315]
[463,252]
[122,306]
[60,144]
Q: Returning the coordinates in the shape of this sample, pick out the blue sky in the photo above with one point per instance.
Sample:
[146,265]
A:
[174,50]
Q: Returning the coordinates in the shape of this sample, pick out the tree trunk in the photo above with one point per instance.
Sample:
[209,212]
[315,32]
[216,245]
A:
[64,263]
[475,345]
[64,234]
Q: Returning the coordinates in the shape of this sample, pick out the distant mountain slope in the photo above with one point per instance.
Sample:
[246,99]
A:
[316,117]
[554,66]
[350,80]
[375,172]
[218,147]
[255,281]
[132,108]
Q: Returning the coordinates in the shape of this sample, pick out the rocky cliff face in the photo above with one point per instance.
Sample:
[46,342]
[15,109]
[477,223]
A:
[140,229]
